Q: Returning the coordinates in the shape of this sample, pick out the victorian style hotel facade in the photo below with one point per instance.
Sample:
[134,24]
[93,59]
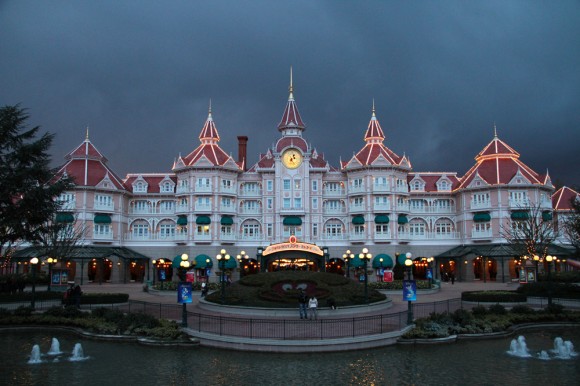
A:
[209,201]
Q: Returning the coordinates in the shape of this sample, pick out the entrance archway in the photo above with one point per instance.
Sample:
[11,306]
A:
[485,268]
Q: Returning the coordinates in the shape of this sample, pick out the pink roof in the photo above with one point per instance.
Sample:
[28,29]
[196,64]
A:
[152,181]
[297,142]
[562,198]
[88,167]
[374,131]
[291,117]
[498,164]
[431,179]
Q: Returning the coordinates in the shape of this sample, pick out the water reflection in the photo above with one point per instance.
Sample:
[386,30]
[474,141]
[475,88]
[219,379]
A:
[474,362]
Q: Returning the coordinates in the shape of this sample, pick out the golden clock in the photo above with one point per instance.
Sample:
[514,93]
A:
[292,158]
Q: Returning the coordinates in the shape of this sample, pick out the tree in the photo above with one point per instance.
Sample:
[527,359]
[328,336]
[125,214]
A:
[27,190]
[530,231]
[59,239]
[572,224]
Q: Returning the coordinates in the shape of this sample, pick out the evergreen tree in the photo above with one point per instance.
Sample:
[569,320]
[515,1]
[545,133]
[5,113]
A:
[28,188]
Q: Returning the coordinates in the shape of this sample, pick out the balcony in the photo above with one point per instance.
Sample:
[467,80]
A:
[358,236]
[333,192]
[170,210]
[382,206]
[250,211]
[182,208]
[205,188]
[201,237]
[419,209]
[227,208]
[381,188]
[519,203]
[445,236]
[481,234]
[254,237]
[202,207]
[68,205]
[334,211]
[357,208]
[287,211]
[403,236]
[227,236]
[333,236]
[105,206]
[251,192]
[476,205]
[356,189]
[442,209]
[133,210]
[382,236]
[182,190]
[403,207]
[103,235]
[228,190]
[402,189]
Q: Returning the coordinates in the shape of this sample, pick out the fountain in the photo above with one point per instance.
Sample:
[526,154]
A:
[519,348]
[78,354]
[54,347]
[563,349]
[35,355]
[543,355]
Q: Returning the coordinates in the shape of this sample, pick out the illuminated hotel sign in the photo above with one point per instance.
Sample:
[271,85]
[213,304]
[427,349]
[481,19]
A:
[293,245]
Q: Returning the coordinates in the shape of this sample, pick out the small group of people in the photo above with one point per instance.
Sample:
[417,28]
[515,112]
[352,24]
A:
[72,296]
[307,306]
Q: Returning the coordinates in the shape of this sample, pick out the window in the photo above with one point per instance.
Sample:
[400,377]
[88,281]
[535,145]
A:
[417,205]
[480,198]
[314,230]
[358,201]
[333,205]
[140,187]
[183,201]
[203,202]
[166,231]
[203,183]
[269,185]
[183,183]
[203,230]
[417,229]
[297,203]
[381,182]
[314,203]
[359,229]
[226,202]
[103,201]
[418,185]
[357,183]
[140,230]
[297,184]
[314,185]
[444,205]
[269,230]
[251,206]
[141,206]
[381,229]
[333,187]
[482,226]
[102,230]
[286,203]
[226,184]
[381,200]
[250,230]
[286,184]
[66,199]
[167,187]
[167,206]
[443,227]
[270,203]
[292,230]
[443,186]
[333,230]
[226,230]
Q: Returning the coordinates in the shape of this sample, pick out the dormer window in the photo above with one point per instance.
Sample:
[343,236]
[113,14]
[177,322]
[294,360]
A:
[418,186]
[443,186]
[167,187]
[140,187]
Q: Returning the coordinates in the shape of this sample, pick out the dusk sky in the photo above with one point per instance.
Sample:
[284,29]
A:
[140,75]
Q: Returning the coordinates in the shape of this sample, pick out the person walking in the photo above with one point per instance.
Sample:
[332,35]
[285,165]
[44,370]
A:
[302,303]
[312,306]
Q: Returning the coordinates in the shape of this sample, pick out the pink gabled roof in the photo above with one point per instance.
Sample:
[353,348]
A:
[209,147]
[497,164]
[152,181]
[374,131]
[562,198]
[431,179]
[88,167]
[291,141]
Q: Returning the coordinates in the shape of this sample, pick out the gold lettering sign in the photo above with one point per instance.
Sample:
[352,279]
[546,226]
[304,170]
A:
[310,248]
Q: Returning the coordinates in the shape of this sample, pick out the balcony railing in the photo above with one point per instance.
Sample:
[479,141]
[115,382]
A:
[148,210]
[202,207]
[481,234]
[103,235]
[481,204]
[257,237]
[182,208]
[328,236]
[333,192]
[357,236]
[355,208]
[255,210]
[170,210]
[519,203]
[228,190]
[382,206]
[201,236]
[382,236]
[251,192]
[230,236]
[334,211]
[182,189]
[102,206]
[356,189]
[68,205]
[205,188]
[381,188]
[403,207]
[228,208]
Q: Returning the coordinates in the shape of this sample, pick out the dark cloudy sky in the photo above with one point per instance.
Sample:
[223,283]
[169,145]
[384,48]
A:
[140,74]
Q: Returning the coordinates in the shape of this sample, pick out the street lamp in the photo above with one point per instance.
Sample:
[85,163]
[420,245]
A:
[184,264]
[365,256]
[33,263]
[408,265]
[549,260]
[50,262]
[241,258]
[348,256]
[536,260]
[222,259]
[154,270]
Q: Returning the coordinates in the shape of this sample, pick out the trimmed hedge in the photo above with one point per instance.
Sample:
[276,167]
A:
[557,290]
[493,296]
[86,298]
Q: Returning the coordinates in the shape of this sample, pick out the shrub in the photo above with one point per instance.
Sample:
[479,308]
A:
[557,290]
[497,309]
[522,309]
[462,317]
[479,311]
[64,312]
[555,309]
[493,296]
[23,311]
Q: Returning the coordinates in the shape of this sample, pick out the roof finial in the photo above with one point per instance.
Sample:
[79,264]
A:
[494,130]
[374,107]
[87,135]
[209,110]
[291,88]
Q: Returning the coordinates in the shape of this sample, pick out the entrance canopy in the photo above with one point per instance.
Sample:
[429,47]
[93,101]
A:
[79,253]
[386,263]
[498,251]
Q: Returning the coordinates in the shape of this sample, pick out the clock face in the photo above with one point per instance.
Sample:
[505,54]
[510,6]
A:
[292,158]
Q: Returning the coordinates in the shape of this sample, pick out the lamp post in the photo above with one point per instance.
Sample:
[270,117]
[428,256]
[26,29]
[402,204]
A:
[549,260]
[348,256]
[222,258]
[33,264]
[408,265]
[154,270]
[243,260]
[184,264]
[50,262]
[365,256]
[536,260]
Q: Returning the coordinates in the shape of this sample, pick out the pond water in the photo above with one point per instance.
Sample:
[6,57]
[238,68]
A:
[482,362]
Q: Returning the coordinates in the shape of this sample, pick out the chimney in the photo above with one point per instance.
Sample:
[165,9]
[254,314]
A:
[242,145]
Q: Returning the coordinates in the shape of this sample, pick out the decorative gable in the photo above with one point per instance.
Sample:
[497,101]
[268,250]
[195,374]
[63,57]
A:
[417,184]
[106,183]
[166,185]
[444,184]
[140,185]
[519,179]
[478,182]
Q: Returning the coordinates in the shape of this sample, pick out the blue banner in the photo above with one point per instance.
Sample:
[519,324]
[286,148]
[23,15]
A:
[409,290]
[184,293]
[429,273]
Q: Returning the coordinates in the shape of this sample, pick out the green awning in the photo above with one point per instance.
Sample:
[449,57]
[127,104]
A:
[102,219]
[292,221]
[481,217]
[358,220]
[176,263]
[381,219]
[64,217]
[402,219]
[202,220]
[356,262]
[387,261]
[520,215]
[202,263]
[227,220]
[231,263]
[182,220]
[547,216]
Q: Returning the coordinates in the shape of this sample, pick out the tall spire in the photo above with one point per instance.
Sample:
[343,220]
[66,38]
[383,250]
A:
[87,134]
[494,130]
[374,132]
[291,118]
[209,131]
